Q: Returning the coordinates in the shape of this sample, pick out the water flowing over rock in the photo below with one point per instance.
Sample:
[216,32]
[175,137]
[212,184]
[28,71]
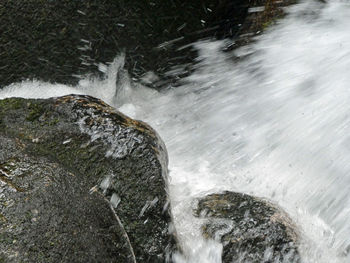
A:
[250,229]
[80,182]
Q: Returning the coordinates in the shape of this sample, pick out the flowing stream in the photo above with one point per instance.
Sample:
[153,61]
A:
[271,119]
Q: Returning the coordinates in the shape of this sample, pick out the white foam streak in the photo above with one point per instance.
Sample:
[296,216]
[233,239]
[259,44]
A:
[104,88]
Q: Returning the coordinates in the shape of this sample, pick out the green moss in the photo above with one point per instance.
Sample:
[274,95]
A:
[28,215]
[11,104]
[267,24]
[36,110]
[2,218]
[53,122]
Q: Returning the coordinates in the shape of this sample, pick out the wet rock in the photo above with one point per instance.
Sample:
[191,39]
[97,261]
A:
[261,14]
[80,182]
[54,40]
[57,40]
[250,229]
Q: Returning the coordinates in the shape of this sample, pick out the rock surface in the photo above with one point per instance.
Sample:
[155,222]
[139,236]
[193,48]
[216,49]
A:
[58,40]
[52,40]
[80,182]
[250,229]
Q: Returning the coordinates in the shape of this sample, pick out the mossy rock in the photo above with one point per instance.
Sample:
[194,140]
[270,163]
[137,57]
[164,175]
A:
[250,229]
[80,182]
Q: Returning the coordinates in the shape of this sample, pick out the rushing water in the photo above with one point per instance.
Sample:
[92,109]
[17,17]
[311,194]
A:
[271,119]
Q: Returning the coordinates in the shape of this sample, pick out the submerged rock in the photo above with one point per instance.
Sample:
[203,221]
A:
[80,182]
[250,229]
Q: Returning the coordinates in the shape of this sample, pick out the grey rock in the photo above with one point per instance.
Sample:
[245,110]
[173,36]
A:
[80,182]
[250,229]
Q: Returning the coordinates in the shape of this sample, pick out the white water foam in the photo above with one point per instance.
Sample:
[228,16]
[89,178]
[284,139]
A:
[276,124]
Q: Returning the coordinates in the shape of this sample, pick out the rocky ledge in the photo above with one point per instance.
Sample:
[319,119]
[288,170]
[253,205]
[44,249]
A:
[80,182]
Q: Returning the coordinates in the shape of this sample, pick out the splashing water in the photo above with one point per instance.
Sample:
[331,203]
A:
[275,124]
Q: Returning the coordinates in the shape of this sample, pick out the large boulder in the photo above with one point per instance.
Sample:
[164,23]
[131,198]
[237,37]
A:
[250,229]
[80,182]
